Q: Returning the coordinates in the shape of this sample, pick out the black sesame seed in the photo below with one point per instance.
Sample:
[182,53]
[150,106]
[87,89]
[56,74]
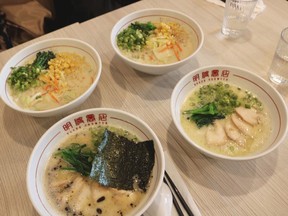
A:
[101,199]
[99,211]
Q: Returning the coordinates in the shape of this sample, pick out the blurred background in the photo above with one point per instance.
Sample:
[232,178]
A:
[23,20]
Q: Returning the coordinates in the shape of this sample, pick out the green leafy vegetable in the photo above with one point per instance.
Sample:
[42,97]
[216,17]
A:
[204,115]
[217,100]
[42,59]
[134,36]
[79,157]
[24,77]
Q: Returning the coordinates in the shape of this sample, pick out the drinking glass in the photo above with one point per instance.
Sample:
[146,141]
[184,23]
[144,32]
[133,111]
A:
[278,72]
[237,16]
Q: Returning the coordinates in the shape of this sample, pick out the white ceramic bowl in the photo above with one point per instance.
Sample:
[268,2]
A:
[246,80]
[58,44]
[155,14]
[48,143]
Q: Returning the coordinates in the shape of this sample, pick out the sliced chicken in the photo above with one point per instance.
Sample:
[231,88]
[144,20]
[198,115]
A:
[66,195]
[216,134]
[234,133]
[62,182]
[83,198]
[243,126]
[248,115]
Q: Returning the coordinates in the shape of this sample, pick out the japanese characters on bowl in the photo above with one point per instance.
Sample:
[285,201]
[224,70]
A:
[211,75]
[105,160]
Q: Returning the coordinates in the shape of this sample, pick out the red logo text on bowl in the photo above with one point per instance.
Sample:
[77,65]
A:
[83,121]
[210,75]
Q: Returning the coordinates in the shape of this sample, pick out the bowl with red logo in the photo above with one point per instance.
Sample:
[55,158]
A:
[228,112]
[99,140]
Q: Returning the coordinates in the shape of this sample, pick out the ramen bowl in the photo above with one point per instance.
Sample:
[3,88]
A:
[74,124]
[69,79]
[180,40]
[267,132]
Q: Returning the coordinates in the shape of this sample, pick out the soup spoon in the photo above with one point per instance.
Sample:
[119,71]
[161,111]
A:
[162,204]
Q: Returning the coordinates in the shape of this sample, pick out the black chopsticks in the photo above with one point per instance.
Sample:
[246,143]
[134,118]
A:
[178,194]
[175,203]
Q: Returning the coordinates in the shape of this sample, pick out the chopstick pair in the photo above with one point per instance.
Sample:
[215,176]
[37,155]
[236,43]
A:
[172,186]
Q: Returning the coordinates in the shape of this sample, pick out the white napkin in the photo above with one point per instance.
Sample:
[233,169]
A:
[258,9]
[180,184]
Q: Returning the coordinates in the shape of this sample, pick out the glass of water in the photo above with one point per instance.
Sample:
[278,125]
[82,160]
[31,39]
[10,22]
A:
[278,72]
[237,16]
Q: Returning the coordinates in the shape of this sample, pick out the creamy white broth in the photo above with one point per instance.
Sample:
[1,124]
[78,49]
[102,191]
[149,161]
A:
[155,52]
[73,194]
[253,143]
[231,148]
[75,77]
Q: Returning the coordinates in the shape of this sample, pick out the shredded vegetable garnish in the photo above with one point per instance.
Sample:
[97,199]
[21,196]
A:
[159,40]
[51,79]
[24,77]
[165,38]
[55,78]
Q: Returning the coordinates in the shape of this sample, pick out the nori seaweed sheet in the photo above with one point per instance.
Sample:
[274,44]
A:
[119,160]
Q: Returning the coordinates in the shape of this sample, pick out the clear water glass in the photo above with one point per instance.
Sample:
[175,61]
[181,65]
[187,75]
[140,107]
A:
[278,72]
[237,16]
